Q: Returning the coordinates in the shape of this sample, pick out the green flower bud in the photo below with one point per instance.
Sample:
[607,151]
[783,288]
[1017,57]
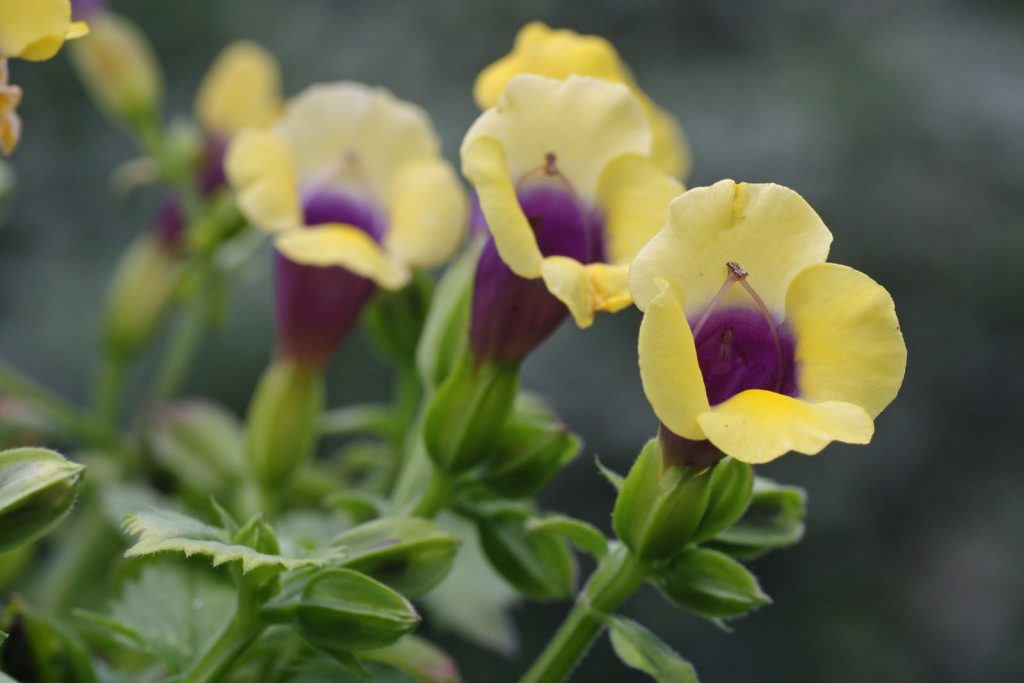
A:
[341,609]
[411,555]
[419,658]
[200,443]
[711,584]
[119,69]
[467,413]
[38,487]
[281,428]
[529,450]
[659,509]
[732,482]
[774,519]
[140,295]
[537,562]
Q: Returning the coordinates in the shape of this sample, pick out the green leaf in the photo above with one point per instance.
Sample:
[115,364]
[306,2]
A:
[774,519]
[614,478]
[640,649]
[54,650]
[171,611]
[418,658]
[165,531]
[731,488]
[584,536]
[711,584]
[360,506]
[474,601]
[322,669]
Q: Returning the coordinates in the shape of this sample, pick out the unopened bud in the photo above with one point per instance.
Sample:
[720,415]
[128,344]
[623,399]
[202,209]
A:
[38,487]
[118,67]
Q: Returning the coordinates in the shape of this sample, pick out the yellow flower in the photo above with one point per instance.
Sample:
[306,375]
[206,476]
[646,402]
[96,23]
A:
[562,53]
[10,122]
[749,339]
[36,29]
[361,167]
[241,90]
[565,183]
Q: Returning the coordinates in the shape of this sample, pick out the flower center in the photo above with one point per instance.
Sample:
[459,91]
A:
[740,348]
[321,206]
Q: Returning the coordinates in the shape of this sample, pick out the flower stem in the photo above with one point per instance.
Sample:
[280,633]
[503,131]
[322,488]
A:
[241,632]
[615,579]
[435,495]
[110,380]
[181,349]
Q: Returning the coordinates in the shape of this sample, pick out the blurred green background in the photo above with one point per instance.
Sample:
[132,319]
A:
[902,123]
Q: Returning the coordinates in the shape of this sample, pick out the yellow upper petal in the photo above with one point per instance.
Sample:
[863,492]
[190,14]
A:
[553,53]
[669,370]
[346,246]
[758,426]
[259,167]
[354,137]
[33,29]
[242,89]
[427,213]
[849,346]
[483,164]
[583,122]
[561,53]
[634,195]
[767,229]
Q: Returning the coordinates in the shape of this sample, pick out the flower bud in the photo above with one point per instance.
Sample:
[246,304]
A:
[409,554]
[38,487]
[774,519]
[341,609]
[281,427]
[200,443]
[467,412]
[536,562]
[140,294]
[117,65]
[711,584]
[530,449]
[660,508]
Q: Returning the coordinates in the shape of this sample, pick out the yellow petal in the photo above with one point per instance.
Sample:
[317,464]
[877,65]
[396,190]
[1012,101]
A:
[758,426]
[767,229]
[586,289]
[360,136]
[553,53]
[259,167]
[242,89]
[427,213]
[668,364]
[634,195]
[669,147]
[584,122]
[33,29]
[346,246]
[483,163]
[77,29]
[849,346]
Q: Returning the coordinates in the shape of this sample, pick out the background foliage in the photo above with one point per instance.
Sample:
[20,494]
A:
[901,123]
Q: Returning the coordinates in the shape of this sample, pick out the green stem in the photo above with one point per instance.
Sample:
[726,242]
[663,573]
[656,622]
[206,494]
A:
[181,349]
[365,418]
[110,381]
[435,495]
[615,579]
[241,632]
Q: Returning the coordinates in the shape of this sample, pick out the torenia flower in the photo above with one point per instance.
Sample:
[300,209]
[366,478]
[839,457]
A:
[352,184]
[33,30]
[562,53]
[569,193]
[749,339]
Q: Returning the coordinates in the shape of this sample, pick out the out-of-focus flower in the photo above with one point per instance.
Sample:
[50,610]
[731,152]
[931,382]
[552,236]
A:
[749,339]
[34,30]
[560,53]
[352,183]
[569,194]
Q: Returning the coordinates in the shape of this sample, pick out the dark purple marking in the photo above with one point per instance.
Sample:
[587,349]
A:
[212,176]
[512,315]
[83,9]
[170,221]
[318,305]
[736,351]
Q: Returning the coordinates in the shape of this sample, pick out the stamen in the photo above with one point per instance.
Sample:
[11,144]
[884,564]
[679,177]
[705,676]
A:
[734,275]
[550,169]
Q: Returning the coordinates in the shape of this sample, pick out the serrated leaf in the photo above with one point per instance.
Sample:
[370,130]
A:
[165,531]
[171,611]
[640,649]
[584,536]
